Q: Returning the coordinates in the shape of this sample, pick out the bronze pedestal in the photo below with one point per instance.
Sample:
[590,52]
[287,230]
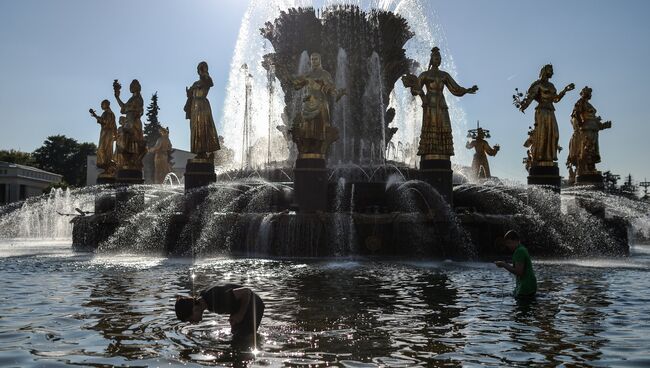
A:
[437,172]
[310,184]
[199,174]
[593,179]
[548,176]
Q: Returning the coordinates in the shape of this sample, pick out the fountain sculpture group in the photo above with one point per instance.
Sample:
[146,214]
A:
[398,210]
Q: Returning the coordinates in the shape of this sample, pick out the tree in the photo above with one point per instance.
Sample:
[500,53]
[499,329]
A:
[152,128]
[65,156]
[17,157]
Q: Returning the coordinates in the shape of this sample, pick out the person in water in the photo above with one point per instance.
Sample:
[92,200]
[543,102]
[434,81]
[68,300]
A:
[242,304]
[521,267]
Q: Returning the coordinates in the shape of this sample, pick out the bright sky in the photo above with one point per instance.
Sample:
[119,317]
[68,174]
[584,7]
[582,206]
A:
[59,58]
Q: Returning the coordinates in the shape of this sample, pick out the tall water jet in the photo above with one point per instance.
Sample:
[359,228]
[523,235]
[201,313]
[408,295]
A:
[341,114]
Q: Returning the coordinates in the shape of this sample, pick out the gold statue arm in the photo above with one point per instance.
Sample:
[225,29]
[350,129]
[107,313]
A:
[299,82]
[156,147]
[559,96]
[470,145]
[605,125]
[413,83]
[456,89]
[532,93]
[207,81]
[491,151]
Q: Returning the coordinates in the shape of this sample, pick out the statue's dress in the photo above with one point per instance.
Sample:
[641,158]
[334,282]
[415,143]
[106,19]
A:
[480,165]
[315,107]
[107,136]
[546,134]
[590,125]
[161,158]
[133,136]
[203,137]
[436,136]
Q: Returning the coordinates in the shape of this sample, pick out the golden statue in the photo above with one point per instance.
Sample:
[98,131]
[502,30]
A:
[436,140]
[584,151]
[530,152]
[131,139]
[545,134]
[311,129]
[161,151]
[203,134]
[107,136]
[480,165]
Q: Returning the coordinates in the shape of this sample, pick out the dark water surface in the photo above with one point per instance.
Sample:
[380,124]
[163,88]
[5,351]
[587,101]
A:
[61,308]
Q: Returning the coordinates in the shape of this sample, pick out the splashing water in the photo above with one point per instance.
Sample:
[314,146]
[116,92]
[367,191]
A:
[251,47]
[47,216]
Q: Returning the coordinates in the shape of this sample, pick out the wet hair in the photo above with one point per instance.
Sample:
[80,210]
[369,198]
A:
[511,235]
[184,307]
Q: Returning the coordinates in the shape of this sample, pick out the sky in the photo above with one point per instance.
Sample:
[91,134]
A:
[59,58]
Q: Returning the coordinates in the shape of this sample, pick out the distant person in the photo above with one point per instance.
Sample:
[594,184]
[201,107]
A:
[522,267]
[243,305]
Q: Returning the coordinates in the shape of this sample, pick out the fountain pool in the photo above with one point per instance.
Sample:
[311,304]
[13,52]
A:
[81,309]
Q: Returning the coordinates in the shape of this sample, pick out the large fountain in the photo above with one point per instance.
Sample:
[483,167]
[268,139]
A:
[343,182]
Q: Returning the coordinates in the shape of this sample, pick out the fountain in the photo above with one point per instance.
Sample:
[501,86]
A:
[328,164]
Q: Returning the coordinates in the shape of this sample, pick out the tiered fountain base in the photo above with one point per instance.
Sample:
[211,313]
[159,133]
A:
[384,211]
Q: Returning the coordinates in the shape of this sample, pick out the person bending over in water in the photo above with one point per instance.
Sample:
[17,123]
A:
[243,305]
[522,267]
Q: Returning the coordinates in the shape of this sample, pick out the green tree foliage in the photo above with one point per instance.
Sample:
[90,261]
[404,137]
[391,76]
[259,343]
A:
[65,156]
[152,128]
[17,157]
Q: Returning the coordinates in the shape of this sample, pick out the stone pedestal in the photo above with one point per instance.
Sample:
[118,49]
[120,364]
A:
[310,184]
[129,176]
[105,200]
[437,172]
[105,180]
[593,179]
[199,174]
[128,200]
[548,176]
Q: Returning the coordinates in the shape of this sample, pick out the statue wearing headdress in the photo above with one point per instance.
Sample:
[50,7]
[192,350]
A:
[480,165]
[546,135]
[107,136]
[436,140]
[131,138]
[203,133]
[161,151]
[584,150]
[312,131]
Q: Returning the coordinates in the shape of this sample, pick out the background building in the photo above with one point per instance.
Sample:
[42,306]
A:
[19,182]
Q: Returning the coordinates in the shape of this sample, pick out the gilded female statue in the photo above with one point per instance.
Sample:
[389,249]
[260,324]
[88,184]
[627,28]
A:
[161,151]
[584,150]
[107,136]
[436,140]
[312,131]
[203,133]
[546,134]
[133,145]
[480,165]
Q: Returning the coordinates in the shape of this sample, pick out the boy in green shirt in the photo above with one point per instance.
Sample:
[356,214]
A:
[521,267]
